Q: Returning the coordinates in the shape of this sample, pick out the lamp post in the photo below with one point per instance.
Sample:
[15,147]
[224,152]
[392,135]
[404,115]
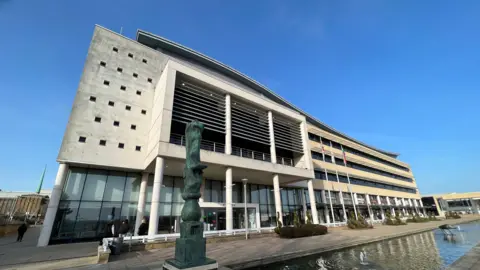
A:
[245,221]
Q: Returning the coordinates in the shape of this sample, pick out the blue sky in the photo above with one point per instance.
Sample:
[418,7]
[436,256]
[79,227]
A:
[400,75]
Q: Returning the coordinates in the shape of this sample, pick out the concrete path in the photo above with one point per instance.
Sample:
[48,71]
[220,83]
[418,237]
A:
[260,251]
[26,254]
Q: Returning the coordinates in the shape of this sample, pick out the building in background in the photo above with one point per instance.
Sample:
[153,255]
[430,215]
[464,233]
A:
[123,150]
[465,203]
[21,205]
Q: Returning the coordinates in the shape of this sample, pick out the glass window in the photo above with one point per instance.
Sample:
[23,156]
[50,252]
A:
[216,191]
[94,185]
[65,220]
[291,197]
[263,194]
[236,192]
[109,211]
[177,189]
[284,196]
[271,195]
[254,194]
[207,191]
[149,188]
[74,186]
[115,186]
[129,211]
[132,187]
[264,217]
[87,219]
[166,191]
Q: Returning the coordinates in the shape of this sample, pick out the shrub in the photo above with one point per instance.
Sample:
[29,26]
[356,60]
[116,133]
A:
[309,218]
[304,230]
[394,222]
[417,219]
[359,223]
[452,215]
[279,224]
[296,220]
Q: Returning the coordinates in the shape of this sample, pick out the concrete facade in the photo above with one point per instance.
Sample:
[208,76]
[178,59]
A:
[127,107]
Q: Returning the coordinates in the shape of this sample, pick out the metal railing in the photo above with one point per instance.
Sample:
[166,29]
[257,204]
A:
[205,144]
[130,239]
[285,161]
[247,153]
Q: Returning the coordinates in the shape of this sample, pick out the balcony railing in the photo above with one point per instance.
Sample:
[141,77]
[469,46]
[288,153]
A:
[205,145]
[247,153]
[285,161]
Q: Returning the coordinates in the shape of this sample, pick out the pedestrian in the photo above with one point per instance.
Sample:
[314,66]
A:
[143,228]
[124,228]
[21,231]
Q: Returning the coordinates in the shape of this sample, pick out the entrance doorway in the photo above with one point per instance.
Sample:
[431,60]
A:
[215,218]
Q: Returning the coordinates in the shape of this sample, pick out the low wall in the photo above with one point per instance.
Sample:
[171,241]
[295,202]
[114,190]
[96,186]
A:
[8,229]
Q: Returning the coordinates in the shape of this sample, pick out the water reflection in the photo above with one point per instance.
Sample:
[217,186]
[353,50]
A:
[427,251]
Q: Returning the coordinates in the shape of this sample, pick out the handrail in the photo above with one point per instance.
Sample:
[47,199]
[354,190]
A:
[205,144]
[285,161]
[247,153]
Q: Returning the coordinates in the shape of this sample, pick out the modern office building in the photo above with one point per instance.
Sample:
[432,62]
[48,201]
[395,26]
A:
[21,205]
[465,203]
[123,151]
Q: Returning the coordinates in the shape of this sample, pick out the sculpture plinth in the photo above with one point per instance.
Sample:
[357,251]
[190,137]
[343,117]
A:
[190,248]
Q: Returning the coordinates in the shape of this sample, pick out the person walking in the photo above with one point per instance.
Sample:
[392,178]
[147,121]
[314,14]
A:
[143,228]
[124,228]
[21,231]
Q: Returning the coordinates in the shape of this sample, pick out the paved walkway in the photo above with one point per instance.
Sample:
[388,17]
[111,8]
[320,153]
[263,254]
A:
[254,252]
[19,255]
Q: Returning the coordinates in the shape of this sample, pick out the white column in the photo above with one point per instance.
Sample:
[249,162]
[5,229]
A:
[345,216]
[228,125]
[228,199]
[327,216]
[369,208]
[313,204]
[44,237]
[202,191]
[273,153]
[157,185]
[278,199]
[475,209]
[382,212]
[141,201]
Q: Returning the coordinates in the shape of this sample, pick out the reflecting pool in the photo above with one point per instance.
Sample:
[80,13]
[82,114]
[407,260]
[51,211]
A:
[429,251]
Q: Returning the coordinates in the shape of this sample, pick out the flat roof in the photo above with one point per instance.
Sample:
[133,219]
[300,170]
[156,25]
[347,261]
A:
[155,42]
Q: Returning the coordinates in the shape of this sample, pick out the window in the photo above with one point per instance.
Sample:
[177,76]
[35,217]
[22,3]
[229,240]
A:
[105,82]
[93,99]
[98,119]
[135,75]
[138,148]
[144,60]
[115,49]
[103,142]
[111,103]
[123,87]
[149,80]
[119,69]
[116,123]
[134,127]
[103,64]
[313,137]
[128,107]
[130,55]
[144,111]
[82,139]
[121,145]
[139,92]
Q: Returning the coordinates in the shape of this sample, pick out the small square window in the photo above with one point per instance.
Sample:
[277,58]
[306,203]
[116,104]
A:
[123,87]
[130,55]
[144,111]
[116,123]
[103,142]
[98,119]
[144,60]
[121,145]
[115,49]
[134,127]
[103,64]
[93,99]
[139,92]
[111,103]
[135,75]
[138,148]
[120,69]
[128,107]
[82,139]
[105,82]
[149,80]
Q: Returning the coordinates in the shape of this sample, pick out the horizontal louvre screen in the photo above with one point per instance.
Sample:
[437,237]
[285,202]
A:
[191,102]
[287,135]
[250,123]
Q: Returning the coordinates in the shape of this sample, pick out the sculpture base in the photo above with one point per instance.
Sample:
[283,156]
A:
[190,249]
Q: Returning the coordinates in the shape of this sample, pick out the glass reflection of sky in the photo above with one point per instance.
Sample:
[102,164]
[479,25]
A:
[427,251]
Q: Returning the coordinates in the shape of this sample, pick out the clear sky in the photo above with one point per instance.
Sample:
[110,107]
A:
[400,75]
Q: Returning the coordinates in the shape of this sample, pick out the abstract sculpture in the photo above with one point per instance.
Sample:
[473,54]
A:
[190,248]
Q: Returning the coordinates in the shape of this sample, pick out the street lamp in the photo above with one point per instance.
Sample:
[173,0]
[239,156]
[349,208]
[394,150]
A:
[245,180]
